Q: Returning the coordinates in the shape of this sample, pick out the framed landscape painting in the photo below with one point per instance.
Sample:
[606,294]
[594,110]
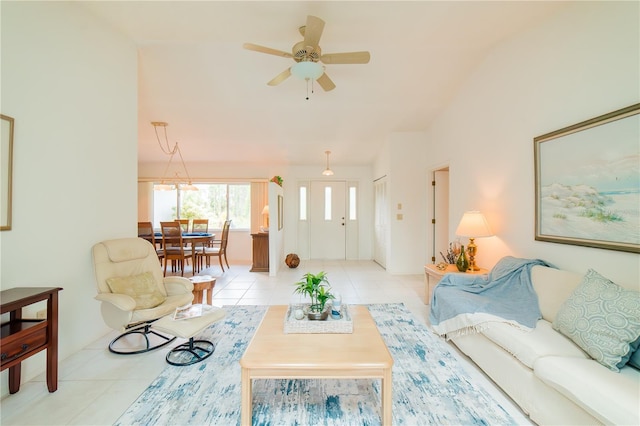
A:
[587,179]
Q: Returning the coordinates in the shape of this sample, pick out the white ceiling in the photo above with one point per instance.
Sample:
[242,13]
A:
[195,75]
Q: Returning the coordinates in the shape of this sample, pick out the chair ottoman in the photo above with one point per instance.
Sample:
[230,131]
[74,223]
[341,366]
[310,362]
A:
[192,351]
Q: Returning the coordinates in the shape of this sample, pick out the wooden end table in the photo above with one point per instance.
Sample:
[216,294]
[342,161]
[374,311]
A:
[200,284]
[272,354]
[23,337]
[433,275]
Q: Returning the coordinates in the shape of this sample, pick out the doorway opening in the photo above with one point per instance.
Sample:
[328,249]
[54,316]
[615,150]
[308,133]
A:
[440,213]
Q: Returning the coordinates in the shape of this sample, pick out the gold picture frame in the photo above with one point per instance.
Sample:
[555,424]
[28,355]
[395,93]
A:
[587,183]
[6,171]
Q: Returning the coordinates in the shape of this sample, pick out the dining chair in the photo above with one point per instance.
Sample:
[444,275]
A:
[220,251]
[173,245]
[145,231]
[200,225]
[184,224]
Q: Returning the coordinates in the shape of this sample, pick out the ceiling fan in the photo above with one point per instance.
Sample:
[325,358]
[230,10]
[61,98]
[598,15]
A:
[307,53]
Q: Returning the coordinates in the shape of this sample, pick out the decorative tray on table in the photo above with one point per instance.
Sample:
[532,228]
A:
[344,325]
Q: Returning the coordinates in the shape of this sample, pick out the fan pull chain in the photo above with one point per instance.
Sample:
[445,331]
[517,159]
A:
[308,89]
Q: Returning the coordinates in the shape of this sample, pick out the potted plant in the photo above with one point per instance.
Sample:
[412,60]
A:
[317,287]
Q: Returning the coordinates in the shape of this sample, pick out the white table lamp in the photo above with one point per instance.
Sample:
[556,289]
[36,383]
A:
[473,225]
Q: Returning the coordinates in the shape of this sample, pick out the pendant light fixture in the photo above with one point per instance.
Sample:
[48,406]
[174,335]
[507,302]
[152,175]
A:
[175,182]
[327,171]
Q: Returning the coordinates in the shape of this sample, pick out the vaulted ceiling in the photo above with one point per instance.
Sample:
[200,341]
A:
[195,74]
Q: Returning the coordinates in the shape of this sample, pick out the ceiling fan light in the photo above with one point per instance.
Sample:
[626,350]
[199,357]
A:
[307,70]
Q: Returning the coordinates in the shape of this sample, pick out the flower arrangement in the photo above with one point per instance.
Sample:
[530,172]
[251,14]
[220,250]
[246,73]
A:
[452,253]
[277,179]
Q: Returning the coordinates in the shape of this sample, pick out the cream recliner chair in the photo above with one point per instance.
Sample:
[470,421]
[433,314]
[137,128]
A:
[134,293]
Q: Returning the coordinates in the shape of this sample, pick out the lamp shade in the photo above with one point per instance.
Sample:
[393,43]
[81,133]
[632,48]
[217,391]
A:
[473,225]
[307,70]
[265,210]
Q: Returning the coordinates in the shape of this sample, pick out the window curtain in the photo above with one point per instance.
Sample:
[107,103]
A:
[259,199]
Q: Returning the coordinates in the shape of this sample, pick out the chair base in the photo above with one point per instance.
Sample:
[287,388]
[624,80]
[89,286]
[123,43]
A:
[191,352]
[145,331]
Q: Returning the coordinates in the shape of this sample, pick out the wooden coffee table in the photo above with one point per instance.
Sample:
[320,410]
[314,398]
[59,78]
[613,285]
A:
[272,354]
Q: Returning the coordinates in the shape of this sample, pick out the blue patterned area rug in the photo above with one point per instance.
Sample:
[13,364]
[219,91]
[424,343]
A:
[430,384]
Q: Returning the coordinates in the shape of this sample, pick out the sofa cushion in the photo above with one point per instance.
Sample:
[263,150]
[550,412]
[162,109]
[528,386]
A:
[608,396]
[142,288]
[553,287]
[528,346]
[602,318]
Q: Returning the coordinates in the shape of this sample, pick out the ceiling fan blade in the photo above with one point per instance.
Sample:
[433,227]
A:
[325,82]
[346,58]
[280,77]
[268,50]
[313,31]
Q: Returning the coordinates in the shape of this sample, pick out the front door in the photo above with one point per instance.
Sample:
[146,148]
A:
[327,214]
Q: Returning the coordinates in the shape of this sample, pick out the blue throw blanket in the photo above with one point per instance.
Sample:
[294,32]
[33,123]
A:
[464,304]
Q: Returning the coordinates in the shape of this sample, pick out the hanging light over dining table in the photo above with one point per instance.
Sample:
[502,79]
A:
[175,182]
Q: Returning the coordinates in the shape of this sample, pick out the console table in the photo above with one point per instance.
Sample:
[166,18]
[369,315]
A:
[260,252]
[22,338]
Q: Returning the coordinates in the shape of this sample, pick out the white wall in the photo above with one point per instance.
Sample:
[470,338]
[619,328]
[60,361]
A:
[71,85]
[407,195]
[576,65]
[276,236]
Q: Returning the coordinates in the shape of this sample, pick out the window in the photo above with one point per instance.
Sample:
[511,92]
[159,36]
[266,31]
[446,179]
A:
[352,203]
[303,203]
[327,203]
[213,201]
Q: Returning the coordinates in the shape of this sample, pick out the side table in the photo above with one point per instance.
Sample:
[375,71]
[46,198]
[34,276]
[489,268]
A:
[22,337]
[433,275]
[200,284]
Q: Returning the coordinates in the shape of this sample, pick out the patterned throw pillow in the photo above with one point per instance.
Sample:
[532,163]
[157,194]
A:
[142,288]
[603,319]
[634,361]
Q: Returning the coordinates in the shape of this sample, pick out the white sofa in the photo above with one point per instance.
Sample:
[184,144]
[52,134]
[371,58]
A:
[546,373]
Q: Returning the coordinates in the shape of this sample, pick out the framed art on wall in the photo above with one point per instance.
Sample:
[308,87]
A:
[587,183]
[6,165]
[280,212]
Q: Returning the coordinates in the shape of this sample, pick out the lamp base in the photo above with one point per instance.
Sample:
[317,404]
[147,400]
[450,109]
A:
[472,266]
[472,249]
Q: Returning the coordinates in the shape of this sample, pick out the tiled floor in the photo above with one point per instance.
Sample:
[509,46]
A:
[96,387]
